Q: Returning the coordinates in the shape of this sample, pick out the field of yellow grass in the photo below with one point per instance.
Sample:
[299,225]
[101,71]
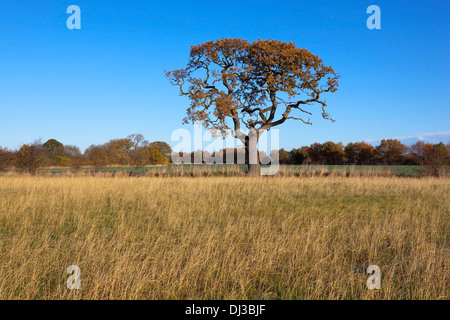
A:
[224,237]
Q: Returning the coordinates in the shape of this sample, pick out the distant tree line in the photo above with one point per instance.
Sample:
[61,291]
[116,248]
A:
[131,151]
[136,151]
[388,152]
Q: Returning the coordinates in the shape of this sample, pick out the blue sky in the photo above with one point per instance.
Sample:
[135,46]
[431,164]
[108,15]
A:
[107,80]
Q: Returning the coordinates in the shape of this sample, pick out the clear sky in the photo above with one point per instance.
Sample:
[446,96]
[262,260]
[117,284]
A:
[107,80]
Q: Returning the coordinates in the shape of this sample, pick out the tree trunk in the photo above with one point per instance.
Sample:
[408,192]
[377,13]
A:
[254,169]
[252,156]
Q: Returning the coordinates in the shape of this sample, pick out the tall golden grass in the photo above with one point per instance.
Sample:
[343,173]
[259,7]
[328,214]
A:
[224,237]
[204,170]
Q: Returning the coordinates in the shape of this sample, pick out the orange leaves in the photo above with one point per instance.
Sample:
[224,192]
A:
[224,106]
[232,78]
[391,150]
[153,155]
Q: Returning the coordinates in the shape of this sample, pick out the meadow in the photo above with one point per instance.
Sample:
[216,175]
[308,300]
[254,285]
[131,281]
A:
[224,237]
[240,170]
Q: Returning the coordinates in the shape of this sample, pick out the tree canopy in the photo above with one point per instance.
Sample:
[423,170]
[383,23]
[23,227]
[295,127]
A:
[258,85]
[248,82]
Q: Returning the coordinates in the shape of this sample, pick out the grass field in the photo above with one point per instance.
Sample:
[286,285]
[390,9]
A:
[224,237]
[223,169]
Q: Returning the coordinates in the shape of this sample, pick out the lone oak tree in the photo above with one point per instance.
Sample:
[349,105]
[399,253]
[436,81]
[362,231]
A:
[234,83]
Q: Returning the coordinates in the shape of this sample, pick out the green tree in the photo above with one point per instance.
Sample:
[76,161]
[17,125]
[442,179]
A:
[54,152]
[54,147]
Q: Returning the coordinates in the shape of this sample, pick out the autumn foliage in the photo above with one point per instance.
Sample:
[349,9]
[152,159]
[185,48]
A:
[131,151]
[234,84]
[135,151]
[30,157]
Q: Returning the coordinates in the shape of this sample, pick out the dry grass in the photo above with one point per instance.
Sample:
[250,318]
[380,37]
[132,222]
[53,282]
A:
[219,170]
[224,238]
